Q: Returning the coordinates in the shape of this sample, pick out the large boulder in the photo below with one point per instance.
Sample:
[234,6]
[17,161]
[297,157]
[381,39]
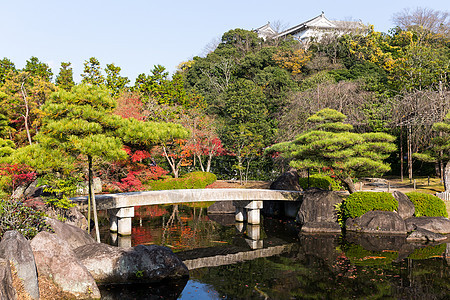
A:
[74,236]
[140,264]
[7,290]
[406,208]
[221,207]
[287,181]
[318,206]
[16,248]
[387,222]
[18,193]
[433,224]
[56,261]
[72,216]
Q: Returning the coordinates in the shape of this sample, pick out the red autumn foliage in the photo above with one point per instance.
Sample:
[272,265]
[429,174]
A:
[139,155]
[129,105]
[19,174]
[138,170]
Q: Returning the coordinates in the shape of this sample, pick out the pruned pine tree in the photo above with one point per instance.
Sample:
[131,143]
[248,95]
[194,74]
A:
[332,145]
[440,149]
[81,122]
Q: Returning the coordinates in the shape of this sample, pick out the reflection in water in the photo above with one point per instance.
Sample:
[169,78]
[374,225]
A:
[274,261]
[161,290]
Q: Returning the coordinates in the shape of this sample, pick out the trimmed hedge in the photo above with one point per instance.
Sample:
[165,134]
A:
[194,180]
[427,205]
[320,181]
[357,204]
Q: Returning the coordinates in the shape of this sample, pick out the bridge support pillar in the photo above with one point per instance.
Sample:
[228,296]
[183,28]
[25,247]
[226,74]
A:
[248,211]
[120,220]
[254,236]
[241,214]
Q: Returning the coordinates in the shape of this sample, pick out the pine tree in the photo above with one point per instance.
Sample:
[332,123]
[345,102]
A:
[92,73]
[6,66]
[440,149]
[38,68]
[65,77]
[114,81]
[331,145]
[81,122]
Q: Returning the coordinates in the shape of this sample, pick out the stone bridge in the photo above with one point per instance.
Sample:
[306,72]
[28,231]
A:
[248,202]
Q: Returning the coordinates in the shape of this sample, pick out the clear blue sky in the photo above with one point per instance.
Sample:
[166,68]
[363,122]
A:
[137,34]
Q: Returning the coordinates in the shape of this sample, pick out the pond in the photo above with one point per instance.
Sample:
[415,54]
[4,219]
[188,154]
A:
[229,260]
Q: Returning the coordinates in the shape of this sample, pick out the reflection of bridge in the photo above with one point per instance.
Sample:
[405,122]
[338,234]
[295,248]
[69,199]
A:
[222,259]
[248,202]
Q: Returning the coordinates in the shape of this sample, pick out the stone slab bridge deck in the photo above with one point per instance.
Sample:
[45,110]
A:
[248,202]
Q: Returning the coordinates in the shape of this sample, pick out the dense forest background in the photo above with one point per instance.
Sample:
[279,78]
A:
[246,94]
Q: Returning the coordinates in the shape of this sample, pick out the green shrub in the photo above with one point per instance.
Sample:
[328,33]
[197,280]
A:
[427,205]
[194,180]
[357,204]
[15,216]
[320,181]
[59,191]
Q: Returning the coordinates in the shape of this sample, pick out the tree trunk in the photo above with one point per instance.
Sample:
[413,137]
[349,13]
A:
[208,164]
[92,199]
[240,170]
[172,162]
[348,182]
[401,153]
[200,162]
[27,111]
[441,163]
[410,167]
[447,177]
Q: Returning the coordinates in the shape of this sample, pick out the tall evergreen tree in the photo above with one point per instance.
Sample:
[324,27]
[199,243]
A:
[114,81]
[92,72]
[65,77]
[6,66]
[38,68]
[246,127]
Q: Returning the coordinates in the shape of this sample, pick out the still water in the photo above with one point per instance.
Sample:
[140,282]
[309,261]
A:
[274,261]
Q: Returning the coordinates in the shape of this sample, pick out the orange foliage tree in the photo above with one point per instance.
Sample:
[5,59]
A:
[292,60]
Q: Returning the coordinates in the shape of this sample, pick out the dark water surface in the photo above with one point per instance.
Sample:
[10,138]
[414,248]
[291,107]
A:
[274,261]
